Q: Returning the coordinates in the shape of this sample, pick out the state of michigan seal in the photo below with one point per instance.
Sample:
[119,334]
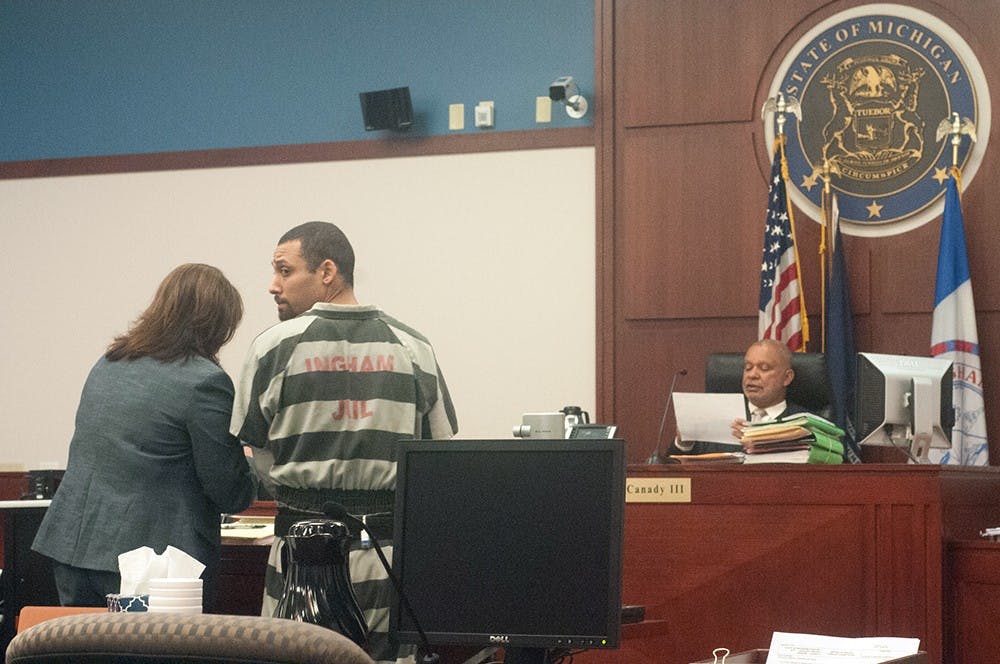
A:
[874,84]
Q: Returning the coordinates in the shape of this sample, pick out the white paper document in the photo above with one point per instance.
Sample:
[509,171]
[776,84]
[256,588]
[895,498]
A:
[788,648]
[708,416]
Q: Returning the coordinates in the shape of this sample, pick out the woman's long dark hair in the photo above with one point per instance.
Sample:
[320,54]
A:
[194,313]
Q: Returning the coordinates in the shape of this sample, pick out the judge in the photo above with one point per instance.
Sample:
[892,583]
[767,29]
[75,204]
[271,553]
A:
[767,373]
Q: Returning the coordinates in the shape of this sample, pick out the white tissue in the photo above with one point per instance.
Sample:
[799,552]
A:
[140,565]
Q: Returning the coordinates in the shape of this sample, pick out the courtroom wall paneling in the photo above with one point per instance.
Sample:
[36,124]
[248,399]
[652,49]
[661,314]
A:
[679,63]
[904,269]
[858,257]
[684,229]
[988,323]
[670,62]
[650,353]
[981,219]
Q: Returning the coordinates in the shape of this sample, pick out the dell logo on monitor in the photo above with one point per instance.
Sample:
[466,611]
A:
[498,638]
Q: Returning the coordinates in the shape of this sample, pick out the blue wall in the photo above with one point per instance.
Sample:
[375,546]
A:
[102,77]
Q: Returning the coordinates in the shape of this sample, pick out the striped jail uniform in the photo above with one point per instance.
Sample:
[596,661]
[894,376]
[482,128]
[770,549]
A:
[323,399]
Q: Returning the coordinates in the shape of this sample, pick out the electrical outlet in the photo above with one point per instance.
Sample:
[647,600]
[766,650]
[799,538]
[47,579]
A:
[484,114]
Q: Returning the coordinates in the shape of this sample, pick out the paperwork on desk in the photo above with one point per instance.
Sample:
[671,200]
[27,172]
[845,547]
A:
[788,648]
[256,530]
[990,533]
[707,417]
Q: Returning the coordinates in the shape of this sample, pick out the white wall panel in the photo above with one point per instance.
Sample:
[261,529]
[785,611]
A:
[491,255]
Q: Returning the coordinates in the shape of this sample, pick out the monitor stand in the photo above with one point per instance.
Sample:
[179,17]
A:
[525,655]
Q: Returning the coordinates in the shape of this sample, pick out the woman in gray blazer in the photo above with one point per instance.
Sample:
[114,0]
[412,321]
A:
[151,461]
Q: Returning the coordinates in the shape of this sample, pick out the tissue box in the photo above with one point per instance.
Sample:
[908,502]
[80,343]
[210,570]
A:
[128,603]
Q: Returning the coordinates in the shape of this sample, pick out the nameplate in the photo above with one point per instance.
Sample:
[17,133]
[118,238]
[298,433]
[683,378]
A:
[658,490]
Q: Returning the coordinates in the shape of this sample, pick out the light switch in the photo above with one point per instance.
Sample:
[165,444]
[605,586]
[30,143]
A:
[456,116]
[543,109]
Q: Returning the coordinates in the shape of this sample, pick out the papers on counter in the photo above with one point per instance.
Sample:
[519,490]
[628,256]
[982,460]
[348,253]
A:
[251,530]
[788,648]
[708,416]
[710,457]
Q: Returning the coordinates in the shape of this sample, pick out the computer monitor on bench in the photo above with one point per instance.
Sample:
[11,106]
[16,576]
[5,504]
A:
[904,401]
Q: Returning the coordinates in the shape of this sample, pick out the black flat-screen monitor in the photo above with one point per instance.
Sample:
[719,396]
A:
[511,542]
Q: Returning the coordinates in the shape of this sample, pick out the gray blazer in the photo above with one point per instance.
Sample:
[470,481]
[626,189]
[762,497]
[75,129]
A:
[151,463]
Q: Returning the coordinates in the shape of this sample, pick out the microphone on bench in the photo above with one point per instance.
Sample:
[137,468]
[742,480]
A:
[654,458]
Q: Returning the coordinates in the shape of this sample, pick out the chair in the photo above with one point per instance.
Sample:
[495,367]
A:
[166,638]
[810,388]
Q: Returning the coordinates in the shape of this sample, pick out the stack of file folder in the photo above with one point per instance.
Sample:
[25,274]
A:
[801,438]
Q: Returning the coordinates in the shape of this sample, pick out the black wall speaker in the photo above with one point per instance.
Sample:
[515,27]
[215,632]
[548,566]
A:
[387,109]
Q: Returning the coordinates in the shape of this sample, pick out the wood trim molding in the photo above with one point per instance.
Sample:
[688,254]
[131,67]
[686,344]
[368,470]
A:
[534,139]
[604,124]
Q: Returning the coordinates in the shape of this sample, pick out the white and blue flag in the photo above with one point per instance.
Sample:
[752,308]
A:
[954,337]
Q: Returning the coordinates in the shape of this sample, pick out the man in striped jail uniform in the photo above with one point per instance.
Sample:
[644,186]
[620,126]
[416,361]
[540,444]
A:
[324,397]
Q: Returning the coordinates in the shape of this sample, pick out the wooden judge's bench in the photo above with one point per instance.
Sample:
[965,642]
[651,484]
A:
[866,550]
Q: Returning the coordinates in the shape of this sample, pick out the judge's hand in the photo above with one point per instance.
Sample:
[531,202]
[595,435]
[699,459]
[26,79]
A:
[737,427]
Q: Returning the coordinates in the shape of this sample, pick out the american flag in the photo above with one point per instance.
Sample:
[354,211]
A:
[781,313]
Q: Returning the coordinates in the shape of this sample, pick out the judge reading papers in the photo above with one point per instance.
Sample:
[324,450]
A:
[702,419]
[705,426]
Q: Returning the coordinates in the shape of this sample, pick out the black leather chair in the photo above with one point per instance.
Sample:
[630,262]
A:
[810,388]
[165,638]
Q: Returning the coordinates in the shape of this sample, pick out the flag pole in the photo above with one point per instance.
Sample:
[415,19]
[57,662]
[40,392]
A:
[780,105]
[956,126]
[795,243]
[824,222]
[826,240]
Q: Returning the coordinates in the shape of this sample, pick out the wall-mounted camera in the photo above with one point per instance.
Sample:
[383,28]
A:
[564,90]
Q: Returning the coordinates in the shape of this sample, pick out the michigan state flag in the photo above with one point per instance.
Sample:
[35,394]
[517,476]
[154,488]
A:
[838,333]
